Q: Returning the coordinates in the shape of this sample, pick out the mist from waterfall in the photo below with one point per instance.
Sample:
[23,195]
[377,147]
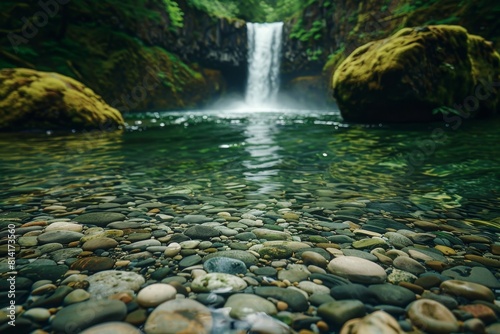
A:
[264,57]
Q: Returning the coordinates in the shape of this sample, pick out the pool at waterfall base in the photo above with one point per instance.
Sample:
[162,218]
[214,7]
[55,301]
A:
[291,190]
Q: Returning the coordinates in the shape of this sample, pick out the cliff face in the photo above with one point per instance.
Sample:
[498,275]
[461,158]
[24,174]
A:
[331,30]
[132,53]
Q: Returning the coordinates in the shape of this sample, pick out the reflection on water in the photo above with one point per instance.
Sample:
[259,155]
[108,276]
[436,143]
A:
[264,155]
[253,155]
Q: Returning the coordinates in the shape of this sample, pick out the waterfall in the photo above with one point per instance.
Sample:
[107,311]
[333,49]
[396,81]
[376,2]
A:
[264,55]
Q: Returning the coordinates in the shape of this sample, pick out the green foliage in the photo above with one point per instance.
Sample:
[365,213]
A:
[175,14]
[313,55]
[303,34]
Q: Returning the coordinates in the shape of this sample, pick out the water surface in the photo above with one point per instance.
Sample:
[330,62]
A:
[310,156]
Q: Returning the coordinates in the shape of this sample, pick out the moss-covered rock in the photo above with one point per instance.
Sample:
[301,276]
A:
[417,74]
[33,100]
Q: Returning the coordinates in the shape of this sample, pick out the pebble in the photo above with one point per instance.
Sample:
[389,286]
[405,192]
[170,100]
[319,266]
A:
[337,313]
[112,327]
[357,270]
[376,322]
[179,316]
[155,294]
[93,264]
[58,236]
[225,265]
[469,290]
[218,282]
[294,273]
[408,264]
[242,305]
[76,296]
[107,283]
[295,300]
[432,317]
[99,218]
[392,294]
[244,256]
[99,243]
[77,317]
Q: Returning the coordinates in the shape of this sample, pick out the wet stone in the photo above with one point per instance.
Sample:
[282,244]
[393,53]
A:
[225,265]
[93,264]
[338,313]
[218,282]
[244,256]
[392,294]
[357,270]
[99,218]
[477,275]
[79,316]
[63,237]
[190,261]
[241,305]
[295,300]
[201,232]
[107,283]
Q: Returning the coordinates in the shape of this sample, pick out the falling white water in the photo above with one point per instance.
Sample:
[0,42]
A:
[264,55]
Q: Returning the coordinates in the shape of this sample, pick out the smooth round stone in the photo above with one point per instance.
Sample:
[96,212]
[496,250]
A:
[294,298]
[77,317]
[142,245]
[267,234]
[445,250]
[432,317]
[189,244]
[338,313]
[99,218]
[172,249]
[64,226]
[113,327]
[408,264]
[242,305]
[357,270]
[218,282]
[66,253]
[99,243]
[398,240]
[469,290]
[189,261]
[293,245]
[275,252]
[354,291]
[48,248]
[478,275]
[37,314]
[294,273]
[155,294]
[425,254]
[93,264]
[369,243]
[194,219]
[225,265]
[360,254]
[76,296]
[265,271]
[63,237]
[107,283]
[29,241]
[392,294]
[483,260]
[248,258]
[43,269]
[201,232]
[311,288]
[313,258]
[179,316]
[376,322]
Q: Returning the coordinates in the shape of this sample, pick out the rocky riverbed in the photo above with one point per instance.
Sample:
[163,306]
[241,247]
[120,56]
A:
[110,259]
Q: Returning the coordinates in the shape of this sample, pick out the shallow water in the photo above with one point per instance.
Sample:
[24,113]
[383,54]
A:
[257,155]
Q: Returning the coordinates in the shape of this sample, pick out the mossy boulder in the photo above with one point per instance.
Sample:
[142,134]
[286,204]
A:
[33,100]
[417,75]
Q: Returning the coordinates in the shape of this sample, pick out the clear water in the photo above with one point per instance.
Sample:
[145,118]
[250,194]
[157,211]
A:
[264,55]
[251,156]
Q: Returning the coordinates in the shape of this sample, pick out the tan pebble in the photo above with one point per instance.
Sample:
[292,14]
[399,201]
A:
[483,260]
[436,265]
[85,254]
[445,250]
[79,285]
[281,306]
[122,263]
[432,316]
[43,289]
[468,290]
[322,326]
[154,211]
[317,281]
[123,296]
[305,331]
[37,223]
